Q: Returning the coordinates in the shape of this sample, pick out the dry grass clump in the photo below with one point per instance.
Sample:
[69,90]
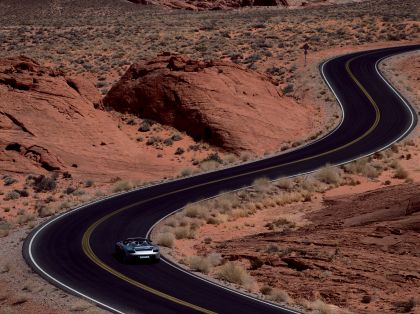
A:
[262,184]
[209,165]
[4,229]
[318,305]
[400,173]
[287,198]
[121,186]
[363,167]
[235,274]
[329,175]
[184,233]
[45,211]
[23,217]
[196,210]
[186,172]
[166,239]
[405,306]
[229,159]
[278,295]
[284,183]
[199,263]
[204,264]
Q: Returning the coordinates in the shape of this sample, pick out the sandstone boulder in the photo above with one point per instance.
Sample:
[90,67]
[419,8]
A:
[218,102]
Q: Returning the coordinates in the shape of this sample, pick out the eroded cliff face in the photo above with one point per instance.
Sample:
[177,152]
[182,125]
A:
[218,102]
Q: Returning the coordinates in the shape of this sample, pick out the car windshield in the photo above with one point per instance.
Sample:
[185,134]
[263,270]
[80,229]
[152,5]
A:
[137,241]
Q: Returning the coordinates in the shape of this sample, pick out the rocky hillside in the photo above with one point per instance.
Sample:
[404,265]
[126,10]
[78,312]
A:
[218,102]
[228,4]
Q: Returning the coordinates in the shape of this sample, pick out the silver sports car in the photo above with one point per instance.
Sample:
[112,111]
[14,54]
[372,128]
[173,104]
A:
[133,249]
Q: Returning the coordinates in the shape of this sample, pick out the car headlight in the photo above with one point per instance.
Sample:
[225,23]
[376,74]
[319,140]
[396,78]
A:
[131,251]
[155,250]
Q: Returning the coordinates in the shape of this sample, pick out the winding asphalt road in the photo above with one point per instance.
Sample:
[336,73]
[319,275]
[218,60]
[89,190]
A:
[74,251]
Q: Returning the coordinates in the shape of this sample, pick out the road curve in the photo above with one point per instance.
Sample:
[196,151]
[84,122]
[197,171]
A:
[74,250]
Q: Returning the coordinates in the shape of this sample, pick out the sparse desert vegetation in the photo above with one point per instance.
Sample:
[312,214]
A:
[279,217]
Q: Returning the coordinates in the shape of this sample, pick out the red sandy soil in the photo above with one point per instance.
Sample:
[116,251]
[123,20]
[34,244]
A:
[220,102]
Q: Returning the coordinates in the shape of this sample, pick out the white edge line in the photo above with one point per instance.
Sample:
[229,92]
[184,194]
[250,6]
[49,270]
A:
[178,179]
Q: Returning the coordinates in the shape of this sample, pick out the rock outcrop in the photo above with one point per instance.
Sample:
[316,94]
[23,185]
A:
[53,122]
[218,102]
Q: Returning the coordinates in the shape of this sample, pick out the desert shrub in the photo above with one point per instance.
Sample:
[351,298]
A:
[44,184]
[309,184]
[122,185]
[212,221]
[12,195]
[278,295]
[79,192]
[226,202]
[45,211]
[318,305]
[405,306]
[266,290]
[199,263]
[329,175]
[288,89]
[4,228]
[22,193]
[362,166]
[153,140]
[245,156]
[287,198]
[176,137]
[184,233]
[400,173]
[278,223]
[166,239]
[144,126]
[284,183]
[9,180]
[234,273]
[64,205]
[213,157]
[179,151]
[262,184]
[229,159]
[186,172]
[208,165]
[89,183]
[23,218]
[168,142]
[215,259]
[195,211]
[70,190]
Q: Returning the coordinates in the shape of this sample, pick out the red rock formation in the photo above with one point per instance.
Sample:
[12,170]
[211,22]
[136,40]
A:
[218,102]
[48,122]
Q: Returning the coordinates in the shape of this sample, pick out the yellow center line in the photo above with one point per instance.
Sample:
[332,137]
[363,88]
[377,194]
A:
[86,236]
